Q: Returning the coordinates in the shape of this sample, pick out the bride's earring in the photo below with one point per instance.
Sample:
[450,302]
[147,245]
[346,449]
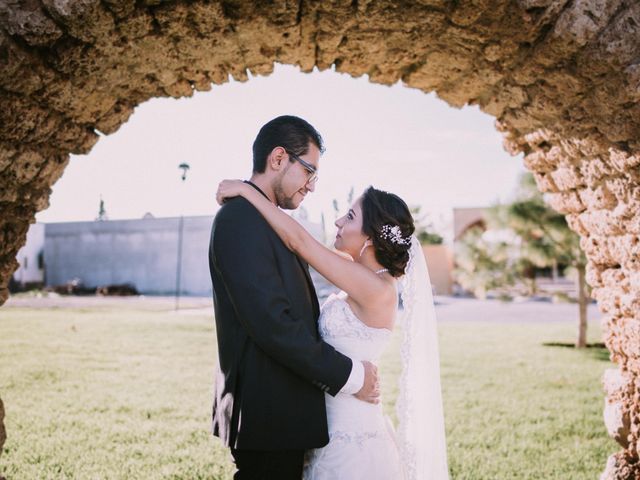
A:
[367,243]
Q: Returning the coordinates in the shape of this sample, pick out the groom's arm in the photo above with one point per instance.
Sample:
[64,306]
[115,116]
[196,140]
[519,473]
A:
[245,258]
[355,382]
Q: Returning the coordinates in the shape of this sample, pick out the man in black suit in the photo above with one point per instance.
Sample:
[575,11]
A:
[274,368]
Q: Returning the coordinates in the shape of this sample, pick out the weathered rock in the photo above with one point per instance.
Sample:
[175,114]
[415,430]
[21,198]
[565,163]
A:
[3,432]
[621,467]
[562,79]
[619,386]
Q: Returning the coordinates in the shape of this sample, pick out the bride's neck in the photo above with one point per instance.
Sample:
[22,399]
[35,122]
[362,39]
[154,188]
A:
[368,259]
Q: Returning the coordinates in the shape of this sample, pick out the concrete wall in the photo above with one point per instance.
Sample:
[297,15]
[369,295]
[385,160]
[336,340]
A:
[142,252]
[440,263]
[28,256]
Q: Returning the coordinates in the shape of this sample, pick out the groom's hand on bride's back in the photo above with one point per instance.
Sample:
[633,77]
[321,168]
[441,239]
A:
[370,391]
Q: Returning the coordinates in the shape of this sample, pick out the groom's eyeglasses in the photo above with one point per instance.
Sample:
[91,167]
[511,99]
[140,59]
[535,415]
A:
[313,171]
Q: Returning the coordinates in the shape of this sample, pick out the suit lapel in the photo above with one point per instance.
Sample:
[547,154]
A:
[302,263]
[312,289]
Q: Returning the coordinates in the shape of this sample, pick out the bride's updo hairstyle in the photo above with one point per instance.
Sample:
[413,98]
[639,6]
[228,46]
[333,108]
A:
[381,212]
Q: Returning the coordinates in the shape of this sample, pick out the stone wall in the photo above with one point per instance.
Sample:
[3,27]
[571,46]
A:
[3,433]
[561,77]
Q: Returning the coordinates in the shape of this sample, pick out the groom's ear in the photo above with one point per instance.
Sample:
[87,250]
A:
[276,158]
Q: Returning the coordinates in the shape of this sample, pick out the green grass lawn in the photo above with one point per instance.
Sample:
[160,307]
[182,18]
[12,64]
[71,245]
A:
[126,394]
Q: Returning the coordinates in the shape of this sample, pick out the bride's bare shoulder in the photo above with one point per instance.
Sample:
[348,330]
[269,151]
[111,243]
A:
[380,313]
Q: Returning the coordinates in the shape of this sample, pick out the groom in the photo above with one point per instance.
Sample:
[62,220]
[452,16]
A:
[273,368]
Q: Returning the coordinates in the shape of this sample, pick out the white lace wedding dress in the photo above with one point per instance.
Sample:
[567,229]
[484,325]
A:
[362,441]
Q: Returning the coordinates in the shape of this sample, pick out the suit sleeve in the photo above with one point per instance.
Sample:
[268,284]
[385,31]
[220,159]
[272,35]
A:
[245,258]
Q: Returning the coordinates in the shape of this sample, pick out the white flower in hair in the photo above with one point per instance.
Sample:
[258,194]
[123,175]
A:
[394,235]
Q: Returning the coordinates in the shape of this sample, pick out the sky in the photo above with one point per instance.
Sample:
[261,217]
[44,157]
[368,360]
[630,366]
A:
[394,138]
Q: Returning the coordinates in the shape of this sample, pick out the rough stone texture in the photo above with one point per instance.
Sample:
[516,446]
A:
[3,433]
[562,78]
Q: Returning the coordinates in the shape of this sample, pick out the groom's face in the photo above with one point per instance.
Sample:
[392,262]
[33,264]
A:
[292,185]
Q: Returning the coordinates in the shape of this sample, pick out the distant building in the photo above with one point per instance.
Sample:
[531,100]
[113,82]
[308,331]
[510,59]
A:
[440,264]
[31,258]
[466,218]
[144,253]
[141,252]
[441,258]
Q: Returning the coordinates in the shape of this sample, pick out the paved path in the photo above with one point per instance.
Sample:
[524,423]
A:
[447,308]
[469,309]
[138,302]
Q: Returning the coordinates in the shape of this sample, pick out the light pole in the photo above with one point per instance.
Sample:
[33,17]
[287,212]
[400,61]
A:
[185,168]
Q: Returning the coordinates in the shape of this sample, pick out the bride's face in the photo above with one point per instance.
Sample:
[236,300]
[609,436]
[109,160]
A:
[349,238]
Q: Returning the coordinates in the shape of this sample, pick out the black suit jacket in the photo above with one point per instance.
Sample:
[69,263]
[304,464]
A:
[273,366]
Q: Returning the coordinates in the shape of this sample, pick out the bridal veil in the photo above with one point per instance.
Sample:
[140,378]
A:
[421,430]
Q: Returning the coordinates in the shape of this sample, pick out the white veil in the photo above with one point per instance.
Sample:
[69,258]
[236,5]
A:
[421,433]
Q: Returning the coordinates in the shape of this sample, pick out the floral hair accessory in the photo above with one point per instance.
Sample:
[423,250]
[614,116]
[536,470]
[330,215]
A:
[394,235]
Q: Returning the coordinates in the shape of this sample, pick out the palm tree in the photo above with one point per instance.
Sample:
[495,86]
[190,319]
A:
[545,240]
[482,265]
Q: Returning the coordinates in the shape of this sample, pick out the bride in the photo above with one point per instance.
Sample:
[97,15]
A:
[377,233]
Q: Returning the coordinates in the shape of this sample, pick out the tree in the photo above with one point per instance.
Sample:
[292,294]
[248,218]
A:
[102,212]
[540,238]
[424,228]
[350,196]
[545,240]
[482,265]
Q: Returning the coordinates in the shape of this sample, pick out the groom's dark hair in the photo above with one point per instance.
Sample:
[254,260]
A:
[291,133]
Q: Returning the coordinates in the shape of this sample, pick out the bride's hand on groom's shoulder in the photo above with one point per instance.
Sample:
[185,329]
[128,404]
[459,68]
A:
[228,189]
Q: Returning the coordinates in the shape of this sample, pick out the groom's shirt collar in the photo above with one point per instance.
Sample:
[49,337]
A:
[257,188]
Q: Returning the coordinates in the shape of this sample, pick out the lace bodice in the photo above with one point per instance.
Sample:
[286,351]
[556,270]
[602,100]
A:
[362,442]
[340,327]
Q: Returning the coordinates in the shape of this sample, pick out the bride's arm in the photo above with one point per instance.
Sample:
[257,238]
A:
[361,284]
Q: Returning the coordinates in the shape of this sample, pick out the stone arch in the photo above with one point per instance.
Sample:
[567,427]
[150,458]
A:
[561,77]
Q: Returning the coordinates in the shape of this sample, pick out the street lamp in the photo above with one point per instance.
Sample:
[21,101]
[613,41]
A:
[185,168]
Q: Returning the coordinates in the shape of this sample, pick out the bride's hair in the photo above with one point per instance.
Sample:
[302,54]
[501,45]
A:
[381,212]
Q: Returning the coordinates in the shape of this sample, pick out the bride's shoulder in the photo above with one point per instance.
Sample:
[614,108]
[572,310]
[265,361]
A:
[389,293]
